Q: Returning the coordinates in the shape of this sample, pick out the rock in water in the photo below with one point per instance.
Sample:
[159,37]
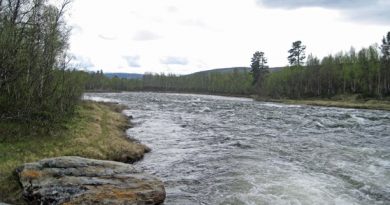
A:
[76,180]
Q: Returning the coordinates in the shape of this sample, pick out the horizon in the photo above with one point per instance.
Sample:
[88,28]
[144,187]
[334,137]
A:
[186,37]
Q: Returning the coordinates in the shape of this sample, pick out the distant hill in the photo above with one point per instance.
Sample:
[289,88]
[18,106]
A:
[222,70]
[205,72]
[231,70]
[124,75]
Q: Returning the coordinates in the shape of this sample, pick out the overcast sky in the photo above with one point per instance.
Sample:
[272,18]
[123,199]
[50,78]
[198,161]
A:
[185,36]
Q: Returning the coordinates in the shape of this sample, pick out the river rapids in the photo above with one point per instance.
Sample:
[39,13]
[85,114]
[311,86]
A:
[226,150]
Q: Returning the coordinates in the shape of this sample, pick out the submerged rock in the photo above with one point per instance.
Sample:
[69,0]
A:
[76,180]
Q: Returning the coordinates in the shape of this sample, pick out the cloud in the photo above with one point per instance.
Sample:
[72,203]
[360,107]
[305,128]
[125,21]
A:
[372,14]
[338,4]
[132,61]
[108,38]
[193,22]
[76,29]
[374,11]
[172,9]
[81,62]
[145,35]
[173,60]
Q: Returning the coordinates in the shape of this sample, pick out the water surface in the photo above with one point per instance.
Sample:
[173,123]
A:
[224,150]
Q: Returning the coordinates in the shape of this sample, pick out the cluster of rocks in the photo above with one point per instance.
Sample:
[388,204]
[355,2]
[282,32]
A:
[76,180]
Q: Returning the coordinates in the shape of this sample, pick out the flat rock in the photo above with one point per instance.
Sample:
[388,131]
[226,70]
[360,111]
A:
[76,180]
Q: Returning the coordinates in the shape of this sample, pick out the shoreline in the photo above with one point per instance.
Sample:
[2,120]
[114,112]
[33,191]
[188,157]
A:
[367,104]
[175,92]
[97,131]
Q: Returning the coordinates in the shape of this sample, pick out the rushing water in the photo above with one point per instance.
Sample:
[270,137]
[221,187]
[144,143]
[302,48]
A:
[224,150]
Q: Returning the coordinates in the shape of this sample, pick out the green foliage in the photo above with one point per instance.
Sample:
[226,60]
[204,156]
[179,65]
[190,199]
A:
[235,83]
[98,82]
[259,68]
[238,83]
[35,83]
[365,72]
[385,65]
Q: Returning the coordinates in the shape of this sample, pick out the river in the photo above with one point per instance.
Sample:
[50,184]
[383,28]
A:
[226,150]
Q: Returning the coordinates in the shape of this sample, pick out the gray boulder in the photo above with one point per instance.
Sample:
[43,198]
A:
[76,180]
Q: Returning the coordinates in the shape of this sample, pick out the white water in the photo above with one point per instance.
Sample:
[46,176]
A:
[223,150]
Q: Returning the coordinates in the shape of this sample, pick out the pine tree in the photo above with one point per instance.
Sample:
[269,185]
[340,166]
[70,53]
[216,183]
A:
[259,67]
[297,54]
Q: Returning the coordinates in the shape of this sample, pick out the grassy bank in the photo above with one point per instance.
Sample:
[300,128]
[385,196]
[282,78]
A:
[343,102]
[97,131]
[370,104]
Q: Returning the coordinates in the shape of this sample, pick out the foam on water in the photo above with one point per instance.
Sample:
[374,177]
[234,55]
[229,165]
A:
[224,150]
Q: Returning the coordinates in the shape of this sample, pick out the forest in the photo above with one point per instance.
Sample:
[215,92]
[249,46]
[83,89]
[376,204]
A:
[365,72]
[236,83]
[36,83]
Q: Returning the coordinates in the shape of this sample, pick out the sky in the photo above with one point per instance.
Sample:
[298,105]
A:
[186,36]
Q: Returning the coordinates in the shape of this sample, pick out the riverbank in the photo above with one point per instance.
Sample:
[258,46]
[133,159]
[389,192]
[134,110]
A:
[372,104]
[97,131]
[341,101]
[175,92]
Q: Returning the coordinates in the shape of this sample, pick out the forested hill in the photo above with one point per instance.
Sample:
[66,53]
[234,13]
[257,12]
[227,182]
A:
[205,72]
[222,71]
[124,75]
[232,70]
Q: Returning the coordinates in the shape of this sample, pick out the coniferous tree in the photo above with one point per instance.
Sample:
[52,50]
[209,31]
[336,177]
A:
[259,67]
[297,54]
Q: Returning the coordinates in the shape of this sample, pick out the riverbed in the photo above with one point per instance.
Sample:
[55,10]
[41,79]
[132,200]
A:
[227,150]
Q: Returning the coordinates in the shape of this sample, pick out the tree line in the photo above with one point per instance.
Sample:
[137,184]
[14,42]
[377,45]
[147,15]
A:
[237,82]
[365,72]
[35,81]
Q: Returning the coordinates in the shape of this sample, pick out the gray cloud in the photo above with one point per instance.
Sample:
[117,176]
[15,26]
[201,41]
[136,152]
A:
[132,61]
[173,60]
[378,14]
[373,11]
[145,35]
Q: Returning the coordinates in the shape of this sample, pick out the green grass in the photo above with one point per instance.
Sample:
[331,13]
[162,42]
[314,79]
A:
[369,104]
[96,131]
